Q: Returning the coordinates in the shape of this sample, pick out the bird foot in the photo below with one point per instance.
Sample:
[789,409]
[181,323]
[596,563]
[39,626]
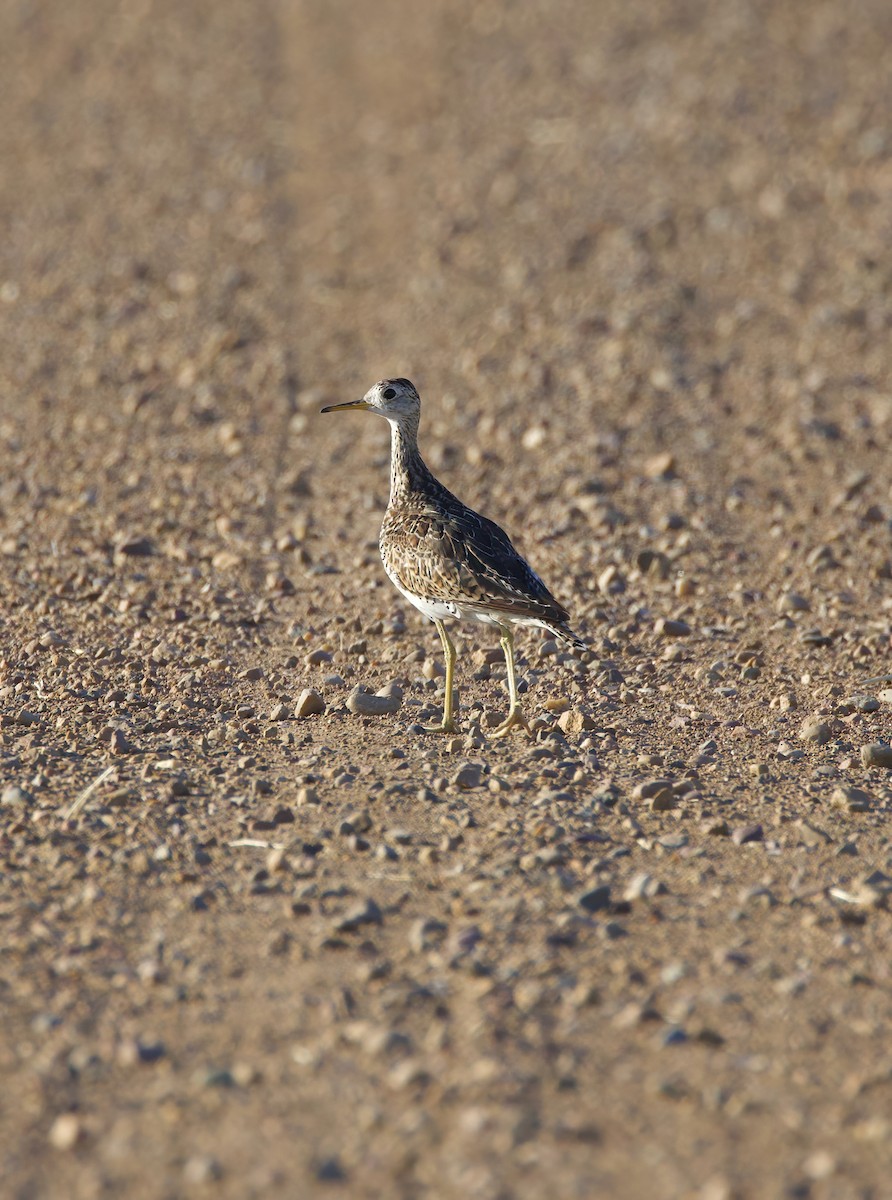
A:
[443,727]
[515,717]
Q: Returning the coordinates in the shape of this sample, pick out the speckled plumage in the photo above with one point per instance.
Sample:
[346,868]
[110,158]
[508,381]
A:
[438,549]
[448,560]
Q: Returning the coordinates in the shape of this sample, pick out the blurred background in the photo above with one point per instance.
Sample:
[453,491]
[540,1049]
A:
[635,256]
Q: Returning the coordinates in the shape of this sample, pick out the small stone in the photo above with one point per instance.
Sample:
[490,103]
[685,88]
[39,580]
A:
[365,704]
[815,731]
[792,602]
[201,1168]
[644,886]
[611,582]
[307,795]
[747,833]
[877,754]
[118,743]
[66,1131]
[135,547]
[309,704]
[663,801]
[575,721]
[317,657]
[864,703]
[820,1165]
[660,466]
[595,900]
[850,799]
[666,627]
[365,913]
[427,933]
[408,1073]
[885,696]
[330,1170]
[13,794]
[716,827]
[646,791]
[469,775]
[279,712]
[810,835]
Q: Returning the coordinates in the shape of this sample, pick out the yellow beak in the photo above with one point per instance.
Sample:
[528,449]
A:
[348,404]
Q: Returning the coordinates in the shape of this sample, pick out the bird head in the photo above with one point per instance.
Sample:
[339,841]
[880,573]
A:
[395,399]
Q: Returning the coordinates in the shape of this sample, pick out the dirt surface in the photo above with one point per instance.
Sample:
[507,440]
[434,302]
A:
[636,258]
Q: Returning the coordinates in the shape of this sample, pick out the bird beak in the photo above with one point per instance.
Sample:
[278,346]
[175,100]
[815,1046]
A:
[348,404]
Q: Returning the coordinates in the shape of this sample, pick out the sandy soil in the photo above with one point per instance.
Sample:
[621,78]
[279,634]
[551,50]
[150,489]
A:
[636,257]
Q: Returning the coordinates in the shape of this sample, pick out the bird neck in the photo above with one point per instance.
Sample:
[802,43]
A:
[407,469]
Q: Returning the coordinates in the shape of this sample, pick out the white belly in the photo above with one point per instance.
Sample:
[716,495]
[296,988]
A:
[445,610]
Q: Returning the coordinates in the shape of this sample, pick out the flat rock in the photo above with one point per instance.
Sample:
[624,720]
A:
[851,799]
[747,833]
[13,794]
[815,731]
[378,704]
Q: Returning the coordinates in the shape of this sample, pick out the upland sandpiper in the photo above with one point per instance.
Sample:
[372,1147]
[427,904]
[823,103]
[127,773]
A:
[449,561]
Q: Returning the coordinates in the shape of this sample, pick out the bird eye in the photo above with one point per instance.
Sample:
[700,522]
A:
[389,393]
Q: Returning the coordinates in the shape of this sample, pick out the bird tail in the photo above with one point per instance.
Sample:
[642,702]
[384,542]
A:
[566,634]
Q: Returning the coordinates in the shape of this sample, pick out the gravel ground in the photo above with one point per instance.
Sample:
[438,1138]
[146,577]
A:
[257,944]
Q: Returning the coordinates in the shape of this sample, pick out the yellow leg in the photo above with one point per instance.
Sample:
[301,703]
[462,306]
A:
[448,725]
[515,712]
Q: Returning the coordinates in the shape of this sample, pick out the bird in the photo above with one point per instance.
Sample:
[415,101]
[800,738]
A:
[449,561]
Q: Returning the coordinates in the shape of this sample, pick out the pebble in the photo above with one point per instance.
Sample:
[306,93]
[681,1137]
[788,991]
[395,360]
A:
[645,791]
[366,912]
[747,833]
[379,704]
[850,799]
[644,886]
[815,731]
[201,1168]
[660,466]
[13,794]
[317,657]
[812,836]
[427,933]
[596,900]
[574,720]
[663,801]
[666,627]
[279,712]
[877,754]
[309,704]
[330,1170]
[885,696]
[469,775]
[610,581]
[792,602]
[66,1131]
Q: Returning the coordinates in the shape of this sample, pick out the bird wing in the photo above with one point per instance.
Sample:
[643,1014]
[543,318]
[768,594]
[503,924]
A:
[445,551]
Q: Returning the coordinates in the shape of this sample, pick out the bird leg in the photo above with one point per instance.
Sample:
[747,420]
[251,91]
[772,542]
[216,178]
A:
[448,724]
[515,712]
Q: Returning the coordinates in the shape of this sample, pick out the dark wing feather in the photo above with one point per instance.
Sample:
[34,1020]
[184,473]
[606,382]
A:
[441,550]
